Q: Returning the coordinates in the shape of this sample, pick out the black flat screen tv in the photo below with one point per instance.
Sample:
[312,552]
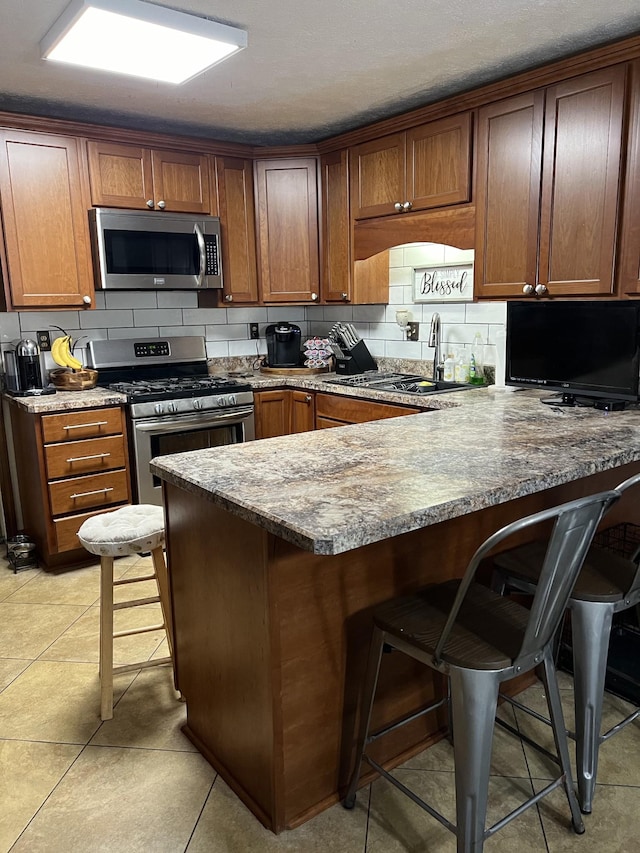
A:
[588,351]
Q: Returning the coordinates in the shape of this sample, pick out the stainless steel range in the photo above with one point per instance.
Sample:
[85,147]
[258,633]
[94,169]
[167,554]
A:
[173,404]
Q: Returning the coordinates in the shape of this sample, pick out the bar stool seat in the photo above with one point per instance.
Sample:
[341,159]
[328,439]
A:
[479,640]
[126,531]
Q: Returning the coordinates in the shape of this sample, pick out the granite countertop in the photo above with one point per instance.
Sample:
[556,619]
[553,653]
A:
[64,401]
[343,488]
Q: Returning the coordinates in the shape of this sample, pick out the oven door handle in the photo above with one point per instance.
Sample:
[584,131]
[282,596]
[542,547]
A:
[203,255]
[182,424]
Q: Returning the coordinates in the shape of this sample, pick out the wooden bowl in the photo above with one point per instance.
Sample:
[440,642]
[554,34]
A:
[73,380]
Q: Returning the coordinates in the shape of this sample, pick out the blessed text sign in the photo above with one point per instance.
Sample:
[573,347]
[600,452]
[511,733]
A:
[443,283]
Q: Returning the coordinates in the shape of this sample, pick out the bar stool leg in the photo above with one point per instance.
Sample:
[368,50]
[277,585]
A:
[162,579]
[368,695]
[106,638]
[590,630]
[474,701]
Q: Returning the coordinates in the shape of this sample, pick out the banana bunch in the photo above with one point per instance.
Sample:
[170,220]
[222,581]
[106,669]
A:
[62,354]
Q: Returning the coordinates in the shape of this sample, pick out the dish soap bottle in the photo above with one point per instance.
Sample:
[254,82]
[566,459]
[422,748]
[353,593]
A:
[462,367]
[449,371]
[476,362]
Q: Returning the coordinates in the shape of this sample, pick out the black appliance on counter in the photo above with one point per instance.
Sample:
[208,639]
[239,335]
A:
[24,371]
[283,345]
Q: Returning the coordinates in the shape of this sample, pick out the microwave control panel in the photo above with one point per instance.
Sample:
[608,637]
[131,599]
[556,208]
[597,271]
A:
[211,254]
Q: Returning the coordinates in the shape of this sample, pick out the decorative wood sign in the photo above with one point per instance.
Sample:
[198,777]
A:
[443,283]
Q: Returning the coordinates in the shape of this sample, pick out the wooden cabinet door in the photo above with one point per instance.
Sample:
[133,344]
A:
[336,240]
[271,413]
[181,182]
[377,176]
[302,411]
[287,199]
[45,221]
[236,210]
[508,174]
[629,264]
[439,162]
[581,172]
[120,175]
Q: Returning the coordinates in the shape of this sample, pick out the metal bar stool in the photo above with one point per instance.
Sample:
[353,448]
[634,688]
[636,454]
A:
[481,639]
[128,530]
[607,584]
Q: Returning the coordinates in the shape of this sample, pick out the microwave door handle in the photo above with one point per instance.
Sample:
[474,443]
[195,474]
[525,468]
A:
[203,255]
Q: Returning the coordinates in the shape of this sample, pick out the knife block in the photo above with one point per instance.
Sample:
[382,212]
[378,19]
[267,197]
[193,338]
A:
[357,359]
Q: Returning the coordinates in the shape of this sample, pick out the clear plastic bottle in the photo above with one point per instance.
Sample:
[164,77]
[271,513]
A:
[449,371]
[462,367]
[476,361]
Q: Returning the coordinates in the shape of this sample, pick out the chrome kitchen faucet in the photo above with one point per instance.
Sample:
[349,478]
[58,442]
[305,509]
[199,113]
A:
[435,341]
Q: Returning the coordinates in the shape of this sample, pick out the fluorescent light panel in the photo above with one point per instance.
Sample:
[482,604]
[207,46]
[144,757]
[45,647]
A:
[140,39]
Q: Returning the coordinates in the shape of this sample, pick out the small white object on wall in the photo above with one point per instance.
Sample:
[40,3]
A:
[443,283]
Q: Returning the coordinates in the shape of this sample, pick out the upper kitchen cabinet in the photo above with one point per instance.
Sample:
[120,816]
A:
[548,173]
[140,178]
[287,216]
[343,280]
[629,265]
[46,229]
[426,167]
[237,223]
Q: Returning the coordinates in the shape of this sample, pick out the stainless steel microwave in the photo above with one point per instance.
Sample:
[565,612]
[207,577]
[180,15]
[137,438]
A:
[148,250]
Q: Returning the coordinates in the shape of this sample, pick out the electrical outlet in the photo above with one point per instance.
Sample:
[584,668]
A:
[44,341]
[254,332]
[413,331]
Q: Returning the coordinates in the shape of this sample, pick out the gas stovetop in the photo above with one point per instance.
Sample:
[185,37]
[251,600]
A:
[177,387]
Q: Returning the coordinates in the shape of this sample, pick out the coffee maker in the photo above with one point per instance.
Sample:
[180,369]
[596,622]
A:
[283,345]
[24,370]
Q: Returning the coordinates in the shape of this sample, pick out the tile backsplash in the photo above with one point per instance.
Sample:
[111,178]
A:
[121,314]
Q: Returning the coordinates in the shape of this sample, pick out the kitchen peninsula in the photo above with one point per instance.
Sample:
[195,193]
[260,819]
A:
[279,549]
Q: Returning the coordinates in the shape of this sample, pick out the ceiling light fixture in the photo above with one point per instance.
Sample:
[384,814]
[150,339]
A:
[139,38]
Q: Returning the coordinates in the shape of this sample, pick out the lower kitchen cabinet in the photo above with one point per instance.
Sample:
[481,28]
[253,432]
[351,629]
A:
[272,413]
[302,411]
[69,466]
[333,410]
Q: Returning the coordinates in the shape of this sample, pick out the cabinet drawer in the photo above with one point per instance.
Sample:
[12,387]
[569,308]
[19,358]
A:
[356,411]
[328,423]
[91,492]
[86,423]
[66,530]
[71,458]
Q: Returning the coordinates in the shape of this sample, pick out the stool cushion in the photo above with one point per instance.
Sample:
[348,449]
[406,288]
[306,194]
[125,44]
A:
[128,530]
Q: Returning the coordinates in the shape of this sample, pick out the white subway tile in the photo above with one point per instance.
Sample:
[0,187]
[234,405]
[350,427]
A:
[396,257]
[99,300]
[403,349]
[400,275]
[131,299]
[396,295]
[293,314]
[10,327]
[338,313]
[206,316]
[33,321]
[181,331]
[376,348]
[156,316]
[368,313]
[452,255]
[233,332]
[486,312]
[177,299]
[245,348]
[116,319]
[247,315]
[217,349]
[422,254]
[141,332]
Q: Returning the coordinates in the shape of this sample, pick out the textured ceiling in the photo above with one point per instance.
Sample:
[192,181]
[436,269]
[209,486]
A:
[312,69]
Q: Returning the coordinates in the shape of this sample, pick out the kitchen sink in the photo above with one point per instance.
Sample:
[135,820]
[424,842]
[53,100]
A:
[401,382]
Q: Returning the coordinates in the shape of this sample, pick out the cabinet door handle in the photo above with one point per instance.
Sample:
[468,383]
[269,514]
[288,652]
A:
[83,458]
[228,298]
[528,288]
[307,399]
[86,300]
[150,203]
[344,296]
[407,206]
[83,426]
[540,289]
[94,492]
[314,297]
[162,205]
[398,207]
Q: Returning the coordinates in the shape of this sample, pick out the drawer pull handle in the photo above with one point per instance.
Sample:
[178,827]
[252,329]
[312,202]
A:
[83,458]
[94,492]
[84,426]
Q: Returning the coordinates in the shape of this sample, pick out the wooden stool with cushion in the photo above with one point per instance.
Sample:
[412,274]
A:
[125,531]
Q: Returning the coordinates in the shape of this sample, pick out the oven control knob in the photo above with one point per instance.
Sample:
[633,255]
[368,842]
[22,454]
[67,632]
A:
[197,404]
[158,408]
[171,407]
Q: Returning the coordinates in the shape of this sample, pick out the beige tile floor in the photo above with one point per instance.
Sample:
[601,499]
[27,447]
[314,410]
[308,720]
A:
[71,783]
